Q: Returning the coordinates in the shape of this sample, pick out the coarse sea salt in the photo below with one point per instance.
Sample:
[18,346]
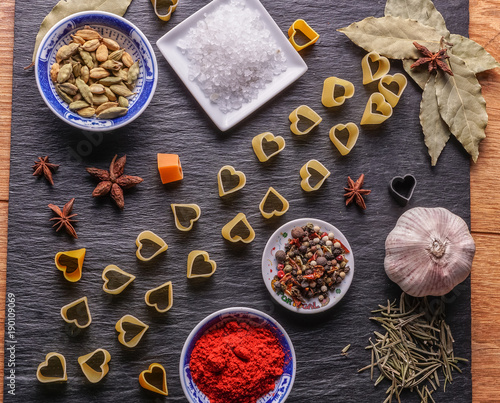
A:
[232,55]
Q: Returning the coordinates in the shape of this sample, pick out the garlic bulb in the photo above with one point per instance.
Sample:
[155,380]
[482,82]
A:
[429,251]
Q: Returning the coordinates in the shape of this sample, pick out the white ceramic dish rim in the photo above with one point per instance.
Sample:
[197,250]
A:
[346,283]
[296,65]
[240,309]
[123,20]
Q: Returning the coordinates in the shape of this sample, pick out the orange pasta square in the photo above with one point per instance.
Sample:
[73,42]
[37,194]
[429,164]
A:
[169,166]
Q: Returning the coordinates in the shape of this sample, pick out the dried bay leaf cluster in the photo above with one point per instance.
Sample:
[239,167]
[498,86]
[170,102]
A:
[94,75]
[451,103]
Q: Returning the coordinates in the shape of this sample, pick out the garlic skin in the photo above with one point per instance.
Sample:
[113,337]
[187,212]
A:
[429,251]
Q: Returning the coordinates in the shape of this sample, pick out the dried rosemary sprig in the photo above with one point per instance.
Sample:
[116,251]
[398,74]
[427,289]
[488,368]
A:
[417,346]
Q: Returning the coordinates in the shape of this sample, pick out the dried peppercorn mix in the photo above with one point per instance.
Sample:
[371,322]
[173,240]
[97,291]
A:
[237,363]
[312,264]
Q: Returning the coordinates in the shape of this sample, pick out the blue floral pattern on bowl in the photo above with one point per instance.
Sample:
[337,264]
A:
[283,384]
[110,26]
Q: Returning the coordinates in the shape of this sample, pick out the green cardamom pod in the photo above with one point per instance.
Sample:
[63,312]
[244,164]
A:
[123,102]
[107,81]
[100,99]
[88,34]
[97,88]
[77,69]
[110,94]
[66,51]
[65,97]
[69,88]
[98,73]
[112,65]
[64,73]
[127,59]
[121,90]
[102,53]
[86,112]
[112,113]
[91,45]
[116,55]
[78,39]
[110,44]
[133,72]
[78,58]
[76,105]
[122,73]
[85,91]
[54,71]
[104,106]
[87,58]
[85,74]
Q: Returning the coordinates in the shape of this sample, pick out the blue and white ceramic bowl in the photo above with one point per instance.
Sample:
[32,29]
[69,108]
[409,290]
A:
[111,26]
[283,384]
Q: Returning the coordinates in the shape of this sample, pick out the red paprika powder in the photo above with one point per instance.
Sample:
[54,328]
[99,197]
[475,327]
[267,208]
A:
[237,363]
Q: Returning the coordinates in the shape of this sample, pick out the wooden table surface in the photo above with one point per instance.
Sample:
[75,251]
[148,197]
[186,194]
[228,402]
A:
[484,29]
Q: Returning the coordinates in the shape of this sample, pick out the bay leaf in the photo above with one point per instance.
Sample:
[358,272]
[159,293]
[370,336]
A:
[423,11]
[436,131]
[419,74]
[392,37]
[67,7]
[462,105]
[475,56]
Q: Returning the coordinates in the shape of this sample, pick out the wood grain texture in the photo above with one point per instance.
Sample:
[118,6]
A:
[485,320]
[485,29]
[6,46]
[3,271]
[485,216]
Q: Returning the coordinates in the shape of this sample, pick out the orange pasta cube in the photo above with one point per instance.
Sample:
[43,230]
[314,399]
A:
[169,166]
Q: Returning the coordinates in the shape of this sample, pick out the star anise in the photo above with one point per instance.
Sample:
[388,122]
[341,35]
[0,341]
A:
[45,168]
[355,193]
[113,180]
[436,60]
[64,217]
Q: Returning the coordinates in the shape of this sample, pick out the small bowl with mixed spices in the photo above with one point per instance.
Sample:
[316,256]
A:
[96,70]
[307,266]
[237,355]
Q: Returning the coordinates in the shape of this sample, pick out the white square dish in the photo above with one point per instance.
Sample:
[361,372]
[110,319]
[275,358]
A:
[296,67]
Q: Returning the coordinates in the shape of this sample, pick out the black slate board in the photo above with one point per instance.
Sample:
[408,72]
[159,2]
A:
[174,123]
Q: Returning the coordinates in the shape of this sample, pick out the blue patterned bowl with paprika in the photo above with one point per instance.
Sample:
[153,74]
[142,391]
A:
[110,26]
[237,354]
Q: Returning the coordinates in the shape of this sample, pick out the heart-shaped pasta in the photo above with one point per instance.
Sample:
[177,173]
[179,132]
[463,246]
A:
[199,264]
[267,145]
[161,298]
[313,174]
[353,131]
[305,112]
[382,69]
[330,85]
[238,229]
[383,110]
[53,369]
[273,204]
[130,330]
[230,180]
[390,96]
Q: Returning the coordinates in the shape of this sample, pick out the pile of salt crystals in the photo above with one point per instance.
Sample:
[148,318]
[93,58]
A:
[232,55]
